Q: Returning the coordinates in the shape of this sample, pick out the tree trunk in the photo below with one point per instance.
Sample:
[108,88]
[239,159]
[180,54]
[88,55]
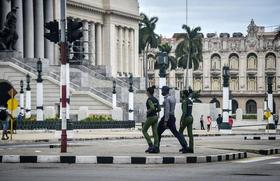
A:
[146,66]
[186,73]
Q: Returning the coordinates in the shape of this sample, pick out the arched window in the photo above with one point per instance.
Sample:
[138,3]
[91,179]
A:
[252,61]
[215,62]
[234,61]
[151,62]
[251,107]
[270,61]
[234,106]
[214,100]
[197,83]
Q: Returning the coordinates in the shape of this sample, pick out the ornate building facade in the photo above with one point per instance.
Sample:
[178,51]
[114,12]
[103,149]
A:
[110,31]
[251,59]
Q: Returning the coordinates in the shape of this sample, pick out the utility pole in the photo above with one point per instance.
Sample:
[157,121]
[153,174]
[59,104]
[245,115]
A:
[64,78]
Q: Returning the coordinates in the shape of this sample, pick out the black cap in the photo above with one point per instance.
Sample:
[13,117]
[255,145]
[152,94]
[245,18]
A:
[165,89]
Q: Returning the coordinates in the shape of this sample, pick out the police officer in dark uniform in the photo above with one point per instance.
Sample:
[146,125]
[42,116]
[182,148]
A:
[187,119]
[153,108]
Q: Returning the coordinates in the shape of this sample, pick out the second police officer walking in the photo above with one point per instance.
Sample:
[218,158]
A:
[187,118]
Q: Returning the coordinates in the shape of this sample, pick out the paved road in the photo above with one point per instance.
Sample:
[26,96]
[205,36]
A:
[136,147]
[251,169]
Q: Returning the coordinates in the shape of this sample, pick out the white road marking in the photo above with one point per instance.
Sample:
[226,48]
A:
[37,151]
[255,159]
[275,163]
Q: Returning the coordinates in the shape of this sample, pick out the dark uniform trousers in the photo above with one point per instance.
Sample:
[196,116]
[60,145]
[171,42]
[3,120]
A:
[172,126]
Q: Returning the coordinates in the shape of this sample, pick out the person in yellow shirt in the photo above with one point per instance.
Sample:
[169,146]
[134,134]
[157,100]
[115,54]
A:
[267,114]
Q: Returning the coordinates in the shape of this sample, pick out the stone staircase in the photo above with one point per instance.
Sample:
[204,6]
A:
[92,79]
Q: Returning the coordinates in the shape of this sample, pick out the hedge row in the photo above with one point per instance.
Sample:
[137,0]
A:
[30,125]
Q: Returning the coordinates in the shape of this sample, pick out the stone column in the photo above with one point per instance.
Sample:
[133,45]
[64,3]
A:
[28,29]
[242,72]
[39,29]
[261,72]
[131,50]
[99,44]
[137,64]
[19,26]
[49,46]
[92,57]
[85,39]
[126,49]
[120,49]
[5,8]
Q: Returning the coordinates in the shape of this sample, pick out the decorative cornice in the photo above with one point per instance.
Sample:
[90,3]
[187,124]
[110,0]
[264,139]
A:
[85,6]
[102,11]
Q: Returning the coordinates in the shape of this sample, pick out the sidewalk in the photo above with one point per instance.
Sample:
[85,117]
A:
[104,134]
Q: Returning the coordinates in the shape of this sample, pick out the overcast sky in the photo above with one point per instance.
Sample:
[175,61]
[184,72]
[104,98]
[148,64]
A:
[211,15]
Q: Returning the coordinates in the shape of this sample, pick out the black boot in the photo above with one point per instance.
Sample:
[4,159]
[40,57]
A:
[149,149]
[187,150]
[155,150]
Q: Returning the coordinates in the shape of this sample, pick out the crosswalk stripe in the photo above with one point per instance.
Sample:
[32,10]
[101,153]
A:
[255,159]
[275,163]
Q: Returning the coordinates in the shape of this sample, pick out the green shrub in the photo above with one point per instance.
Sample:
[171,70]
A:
[97,118]
[51,119]
[33,118]
[249,116]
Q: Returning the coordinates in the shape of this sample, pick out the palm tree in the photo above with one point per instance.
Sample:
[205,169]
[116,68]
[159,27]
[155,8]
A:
[147,38]
[277,36]
[189,50]
[171,59]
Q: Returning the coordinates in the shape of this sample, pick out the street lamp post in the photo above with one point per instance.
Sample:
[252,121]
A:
[21,98]
[270,125]
[225,127]
[40,113]
[163,64]
[114,95]
[130,100]
[28,98]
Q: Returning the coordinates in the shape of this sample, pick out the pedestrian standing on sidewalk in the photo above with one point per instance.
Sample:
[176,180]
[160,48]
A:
[230,121]
[219,121]
[153,108]
[168,120]
[209,121]
[19,120]
[187,119]
[276,118]
[202,122]
[4,118]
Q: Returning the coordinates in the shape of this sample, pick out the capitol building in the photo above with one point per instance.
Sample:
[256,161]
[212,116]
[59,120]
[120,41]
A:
[251,58]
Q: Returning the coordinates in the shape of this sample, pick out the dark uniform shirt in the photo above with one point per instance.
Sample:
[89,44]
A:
[152,105]
[187,105]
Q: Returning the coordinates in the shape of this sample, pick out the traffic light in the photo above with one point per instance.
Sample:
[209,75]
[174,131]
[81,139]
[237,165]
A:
[73,30]
[53,35]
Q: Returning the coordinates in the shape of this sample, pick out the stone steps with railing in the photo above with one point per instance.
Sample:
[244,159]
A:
[30,66]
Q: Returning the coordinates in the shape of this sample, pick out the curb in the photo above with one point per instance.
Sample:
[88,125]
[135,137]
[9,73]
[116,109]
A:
[260,138]
[269,151]
[121,159]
